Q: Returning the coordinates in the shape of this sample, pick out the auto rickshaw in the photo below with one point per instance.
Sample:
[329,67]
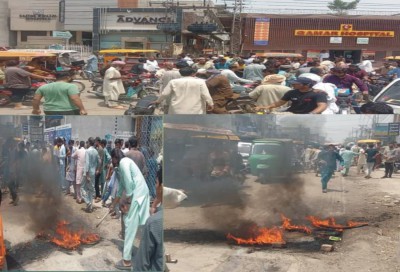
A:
[35,62]
[271,159]
[109,54]
[369,141]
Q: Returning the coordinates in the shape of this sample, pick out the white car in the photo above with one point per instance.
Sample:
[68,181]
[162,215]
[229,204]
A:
[390,95]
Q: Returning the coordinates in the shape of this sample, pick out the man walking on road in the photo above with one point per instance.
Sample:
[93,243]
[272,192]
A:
[91,163]
[327,159]
[371,153]
[136,206]
[348,157]
[60,97]
[389,155]
[99,178]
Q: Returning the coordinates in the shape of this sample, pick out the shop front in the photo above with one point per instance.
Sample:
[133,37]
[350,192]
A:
[33,23]
[325,36]
[145,28]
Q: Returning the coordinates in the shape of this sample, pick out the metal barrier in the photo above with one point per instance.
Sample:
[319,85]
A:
[149,130]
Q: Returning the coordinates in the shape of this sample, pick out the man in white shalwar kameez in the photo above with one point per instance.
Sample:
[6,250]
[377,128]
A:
[112,84]
[79,156]
[132,182]
[92,160]
[186,95]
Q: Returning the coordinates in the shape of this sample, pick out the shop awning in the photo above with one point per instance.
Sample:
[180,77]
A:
[196,128]
[218,137]
[393,58]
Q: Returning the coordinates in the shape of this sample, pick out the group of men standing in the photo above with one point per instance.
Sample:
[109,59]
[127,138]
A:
[329,159]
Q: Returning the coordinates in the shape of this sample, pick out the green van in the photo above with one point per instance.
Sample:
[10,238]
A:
[271,159]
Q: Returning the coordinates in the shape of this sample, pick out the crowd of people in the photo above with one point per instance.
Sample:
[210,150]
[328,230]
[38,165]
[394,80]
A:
[206,84]
[366,158]
[126,179]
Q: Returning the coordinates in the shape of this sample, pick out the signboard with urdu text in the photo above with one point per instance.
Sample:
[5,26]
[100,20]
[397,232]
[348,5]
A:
[261,31]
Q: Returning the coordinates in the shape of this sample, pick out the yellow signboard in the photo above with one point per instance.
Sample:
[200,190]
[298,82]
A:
[345,31]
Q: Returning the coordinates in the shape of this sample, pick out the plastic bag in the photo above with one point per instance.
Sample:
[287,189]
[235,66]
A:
[172,197]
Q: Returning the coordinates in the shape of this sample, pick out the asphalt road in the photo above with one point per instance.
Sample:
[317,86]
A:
[93,105]
[28,253]
[195,232]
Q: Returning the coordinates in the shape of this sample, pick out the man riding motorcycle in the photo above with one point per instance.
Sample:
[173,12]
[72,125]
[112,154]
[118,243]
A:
[344,83]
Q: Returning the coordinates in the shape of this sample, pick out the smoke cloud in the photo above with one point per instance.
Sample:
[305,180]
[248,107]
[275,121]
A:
[42,190]
[226,204]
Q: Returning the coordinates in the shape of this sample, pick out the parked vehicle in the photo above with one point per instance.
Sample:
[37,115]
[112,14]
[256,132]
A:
[109,54]
[390,95]
[271,159]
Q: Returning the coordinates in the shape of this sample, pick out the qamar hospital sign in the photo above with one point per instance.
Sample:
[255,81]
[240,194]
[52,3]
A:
[346,31]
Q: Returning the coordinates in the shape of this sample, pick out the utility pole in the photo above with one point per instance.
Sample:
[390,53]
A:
[236,30]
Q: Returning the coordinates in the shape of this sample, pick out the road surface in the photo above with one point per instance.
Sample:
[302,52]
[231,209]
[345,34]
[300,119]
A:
[195,231]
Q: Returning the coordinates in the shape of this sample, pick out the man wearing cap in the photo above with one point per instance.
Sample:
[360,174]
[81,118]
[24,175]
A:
[112,84]
[272,90]
[186,95]
[60,97]
[303,98]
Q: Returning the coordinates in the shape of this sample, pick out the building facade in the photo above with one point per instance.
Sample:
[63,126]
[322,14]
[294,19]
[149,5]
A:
[353,37]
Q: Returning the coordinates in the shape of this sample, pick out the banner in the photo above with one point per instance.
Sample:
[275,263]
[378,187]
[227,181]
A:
[381,130]
[64,131]
[261,31]
[394,129]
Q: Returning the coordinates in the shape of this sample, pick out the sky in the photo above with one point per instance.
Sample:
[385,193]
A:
[365,5]
[337,127]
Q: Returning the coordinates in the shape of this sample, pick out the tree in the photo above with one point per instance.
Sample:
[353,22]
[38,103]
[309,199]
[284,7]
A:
[341,7]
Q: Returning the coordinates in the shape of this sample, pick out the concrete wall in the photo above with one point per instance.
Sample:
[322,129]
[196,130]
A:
[4,25]
[93,126]
[79,14]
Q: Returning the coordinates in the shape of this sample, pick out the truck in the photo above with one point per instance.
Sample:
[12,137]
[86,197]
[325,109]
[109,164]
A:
[271,160]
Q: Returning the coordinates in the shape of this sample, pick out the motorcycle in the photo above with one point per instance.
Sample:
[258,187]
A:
[137,85]
[6,94]
[396,167]
[242,104]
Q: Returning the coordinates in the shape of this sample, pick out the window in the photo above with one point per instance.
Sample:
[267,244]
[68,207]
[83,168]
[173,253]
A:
[25,34]
[266,149]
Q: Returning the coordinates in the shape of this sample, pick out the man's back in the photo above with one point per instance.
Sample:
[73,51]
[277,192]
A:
[138,158]
[268,94]
[187,95]
[254,72]
[91,160]
[168,76]
[57,96]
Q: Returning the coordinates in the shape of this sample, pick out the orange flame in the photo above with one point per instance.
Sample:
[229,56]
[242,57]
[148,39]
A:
[353,224]
[287,225]
[72,240]
[263,236]
[327,223]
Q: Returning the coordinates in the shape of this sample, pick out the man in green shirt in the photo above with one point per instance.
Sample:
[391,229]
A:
[60,97]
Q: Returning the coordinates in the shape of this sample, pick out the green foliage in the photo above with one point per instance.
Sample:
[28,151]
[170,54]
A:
[341,7]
